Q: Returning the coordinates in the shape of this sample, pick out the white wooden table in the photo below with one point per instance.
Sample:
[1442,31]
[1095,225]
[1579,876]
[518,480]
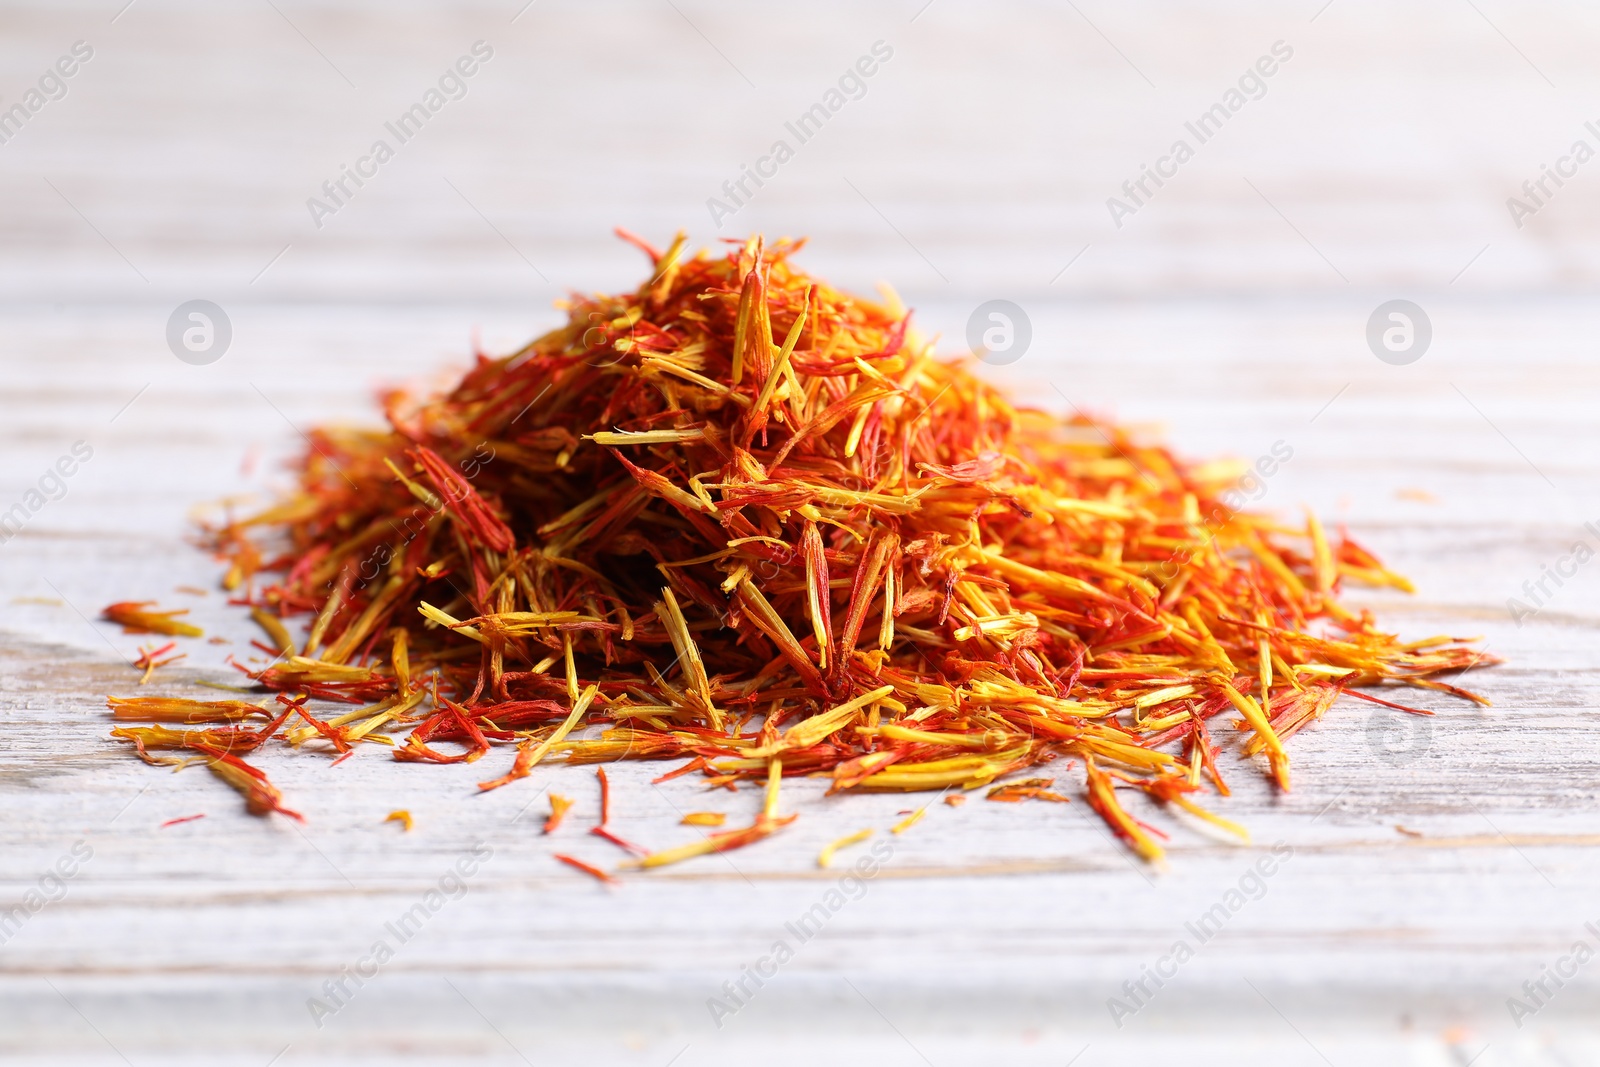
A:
[980,157]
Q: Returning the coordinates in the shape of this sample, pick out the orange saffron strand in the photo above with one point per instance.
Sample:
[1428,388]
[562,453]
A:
[591,871]
[559,806]
[131,616]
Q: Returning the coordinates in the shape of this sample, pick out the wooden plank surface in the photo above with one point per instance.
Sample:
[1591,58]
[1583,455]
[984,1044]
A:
[184,151]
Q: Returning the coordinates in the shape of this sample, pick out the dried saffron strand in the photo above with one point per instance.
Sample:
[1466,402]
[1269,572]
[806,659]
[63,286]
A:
[274,629]
[1173,789]
[131,616]
[559,805]
[825,857]
[590,870]
[766,824]
[261,797]
[626,846]
[1103,798]
[1258,721]
[182,819]
[909,821]
[226,738]
[1386,703]
[177,709]
[332,733]
[738,517]
[704,818]
[1026,789]
[150,658]
[529,755]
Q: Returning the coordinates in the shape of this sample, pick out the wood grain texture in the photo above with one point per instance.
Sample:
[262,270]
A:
[191,142]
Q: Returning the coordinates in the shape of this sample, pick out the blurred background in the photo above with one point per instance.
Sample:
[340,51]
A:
[1337,155]
[978,160]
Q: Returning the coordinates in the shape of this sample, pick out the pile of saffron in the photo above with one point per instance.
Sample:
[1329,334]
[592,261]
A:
[739,519]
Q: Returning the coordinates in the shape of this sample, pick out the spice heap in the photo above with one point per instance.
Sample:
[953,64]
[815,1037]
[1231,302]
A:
[742,519]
